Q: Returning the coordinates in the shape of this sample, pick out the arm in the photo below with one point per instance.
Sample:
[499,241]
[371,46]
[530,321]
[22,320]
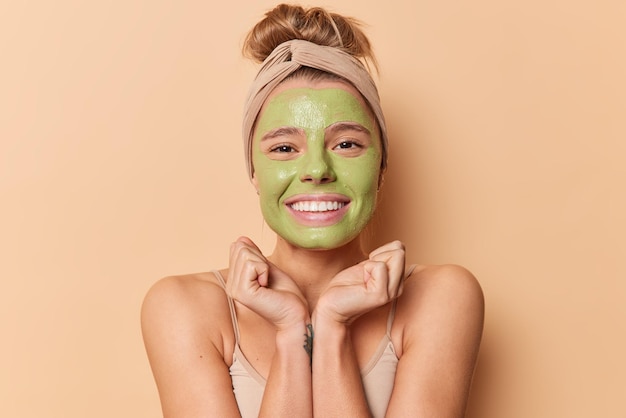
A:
[442,310]
[182,321]
[257,284]
[288,388]
[337,385]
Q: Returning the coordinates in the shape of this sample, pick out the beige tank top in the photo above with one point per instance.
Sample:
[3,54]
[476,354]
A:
[377,376]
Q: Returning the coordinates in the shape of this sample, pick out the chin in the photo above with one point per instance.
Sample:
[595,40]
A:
[320,243]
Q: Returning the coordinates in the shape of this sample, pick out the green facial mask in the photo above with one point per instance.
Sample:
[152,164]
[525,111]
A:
[314,145]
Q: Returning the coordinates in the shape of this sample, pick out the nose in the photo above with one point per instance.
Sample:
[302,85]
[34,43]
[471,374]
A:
[317,168]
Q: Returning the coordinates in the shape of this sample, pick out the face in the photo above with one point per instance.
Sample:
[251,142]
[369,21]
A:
[316,157]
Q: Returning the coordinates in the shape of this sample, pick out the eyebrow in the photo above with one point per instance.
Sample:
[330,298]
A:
[347,126]
[282,131]
[335,128]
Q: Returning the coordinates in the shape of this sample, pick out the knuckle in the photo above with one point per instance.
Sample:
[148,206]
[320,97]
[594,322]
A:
[249,267]
[398,244]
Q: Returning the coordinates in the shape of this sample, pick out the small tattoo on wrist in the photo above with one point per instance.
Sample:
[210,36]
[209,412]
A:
[308,341]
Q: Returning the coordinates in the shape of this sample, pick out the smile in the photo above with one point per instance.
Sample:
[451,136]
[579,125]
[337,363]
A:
[313,206]
[318,210]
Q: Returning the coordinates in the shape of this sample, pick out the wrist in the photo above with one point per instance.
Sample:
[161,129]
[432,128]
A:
[328,324]
[294,332]
[295,341]
[332,340]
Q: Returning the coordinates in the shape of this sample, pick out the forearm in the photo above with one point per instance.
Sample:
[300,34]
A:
[288,388]
[337,386]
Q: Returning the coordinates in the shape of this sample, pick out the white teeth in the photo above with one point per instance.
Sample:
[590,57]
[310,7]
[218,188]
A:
[312,206]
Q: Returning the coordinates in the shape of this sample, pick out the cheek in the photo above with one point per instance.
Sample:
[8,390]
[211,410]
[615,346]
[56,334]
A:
[274,178]
[362,173]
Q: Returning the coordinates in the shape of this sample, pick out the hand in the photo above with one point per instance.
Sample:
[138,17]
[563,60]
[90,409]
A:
[364,286]
[262,287]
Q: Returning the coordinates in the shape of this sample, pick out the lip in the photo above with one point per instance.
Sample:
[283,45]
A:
[318,219]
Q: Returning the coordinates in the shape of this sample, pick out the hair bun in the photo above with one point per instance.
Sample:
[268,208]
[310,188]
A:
[287,22]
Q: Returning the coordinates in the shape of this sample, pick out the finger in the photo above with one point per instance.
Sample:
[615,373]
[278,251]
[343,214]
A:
[390,246]
[376,276]
[242,250]
[237,257]
[247,242]
[393,254]
[396,271]
[389,256]
[256,272]
[394,263]
[240,254]
[250,277]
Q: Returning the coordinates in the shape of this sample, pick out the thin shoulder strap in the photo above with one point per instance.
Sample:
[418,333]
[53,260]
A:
[231,305]
[392,311]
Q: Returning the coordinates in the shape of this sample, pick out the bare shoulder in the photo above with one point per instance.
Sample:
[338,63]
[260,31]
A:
[188,335]
[441,297]
[445,281]
[437,335]
[187,306]
[188,286]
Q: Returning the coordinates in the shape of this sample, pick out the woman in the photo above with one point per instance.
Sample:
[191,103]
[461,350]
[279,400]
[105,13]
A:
[317,328]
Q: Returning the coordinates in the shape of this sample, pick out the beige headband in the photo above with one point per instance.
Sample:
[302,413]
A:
[289,57]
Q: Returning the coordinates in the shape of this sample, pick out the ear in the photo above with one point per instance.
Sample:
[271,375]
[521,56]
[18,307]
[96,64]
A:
[255,182]
[381,180]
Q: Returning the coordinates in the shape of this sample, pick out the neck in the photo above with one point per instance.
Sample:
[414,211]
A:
[313,269]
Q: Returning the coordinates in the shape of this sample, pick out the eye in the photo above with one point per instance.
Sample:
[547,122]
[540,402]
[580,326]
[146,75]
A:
[282,148]
[348,145]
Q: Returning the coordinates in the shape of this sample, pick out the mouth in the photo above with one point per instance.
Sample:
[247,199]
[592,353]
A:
[314,206]
[318,210]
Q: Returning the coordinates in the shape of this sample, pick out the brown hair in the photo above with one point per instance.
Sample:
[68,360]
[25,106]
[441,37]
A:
[311,44]
[287,22]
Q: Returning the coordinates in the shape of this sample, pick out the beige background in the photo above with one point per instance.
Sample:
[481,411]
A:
[121,162]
